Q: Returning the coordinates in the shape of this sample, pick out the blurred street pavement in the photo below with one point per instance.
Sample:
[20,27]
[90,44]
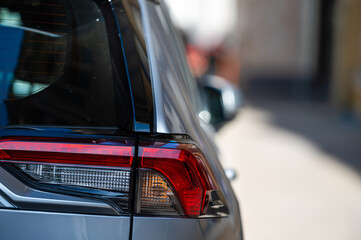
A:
[299,170]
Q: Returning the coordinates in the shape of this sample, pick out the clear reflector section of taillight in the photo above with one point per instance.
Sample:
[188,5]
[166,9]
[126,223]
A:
[98,178]
[156,195]
[155,189]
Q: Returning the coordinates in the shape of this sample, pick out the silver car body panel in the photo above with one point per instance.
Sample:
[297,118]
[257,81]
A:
[156,228]
[15,224]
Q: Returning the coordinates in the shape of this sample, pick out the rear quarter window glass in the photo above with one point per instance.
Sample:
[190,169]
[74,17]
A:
[56,65]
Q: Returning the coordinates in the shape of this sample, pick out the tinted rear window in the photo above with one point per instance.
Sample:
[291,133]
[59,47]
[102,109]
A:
[56,65]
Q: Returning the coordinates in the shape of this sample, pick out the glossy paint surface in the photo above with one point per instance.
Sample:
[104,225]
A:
[166,228]
[15,224]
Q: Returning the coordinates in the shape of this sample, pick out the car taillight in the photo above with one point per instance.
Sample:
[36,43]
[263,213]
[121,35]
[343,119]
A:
[98,168]
[173,178]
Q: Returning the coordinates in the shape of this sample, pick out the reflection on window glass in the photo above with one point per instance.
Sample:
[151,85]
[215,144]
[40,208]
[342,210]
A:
[33,46]
[55,65]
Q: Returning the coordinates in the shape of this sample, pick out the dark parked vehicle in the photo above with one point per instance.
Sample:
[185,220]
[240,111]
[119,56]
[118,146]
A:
[100,134]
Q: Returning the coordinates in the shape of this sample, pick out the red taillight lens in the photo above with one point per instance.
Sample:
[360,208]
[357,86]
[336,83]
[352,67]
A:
[185,169]
[93,154]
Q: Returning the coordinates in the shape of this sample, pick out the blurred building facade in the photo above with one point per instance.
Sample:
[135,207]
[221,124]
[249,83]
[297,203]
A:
[346,74]
[308,47]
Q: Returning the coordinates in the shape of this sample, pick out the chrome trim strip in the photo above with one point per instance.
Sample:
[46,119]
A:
[27,199]
[5,203]
[160,125]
